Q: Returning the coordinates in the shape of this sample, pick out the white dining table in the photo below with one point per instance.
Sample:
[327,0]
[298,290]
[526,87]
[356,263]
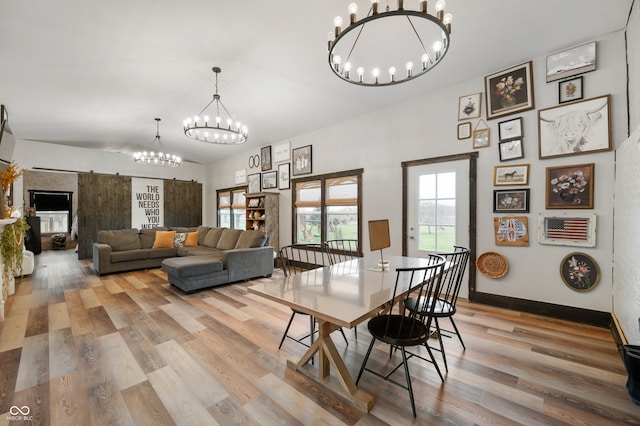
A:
[340,295]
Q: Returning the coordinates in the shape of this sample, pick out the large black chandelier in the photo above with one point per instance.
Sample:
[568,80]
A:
[157,158]
[221,128]
[404,43]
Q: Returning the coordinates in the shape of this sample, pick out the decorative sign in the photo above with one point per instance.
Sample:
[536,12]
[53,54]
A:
[147,203]
[241,177]
[511,231]
[281,152]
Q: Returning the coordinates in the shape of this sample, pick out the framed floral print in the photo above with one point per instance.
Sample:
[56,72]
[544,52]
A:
[579,271]
[570,187]
[575,128]
[265,158]
[509,91]
[570,90]
[469,106]
[511,200]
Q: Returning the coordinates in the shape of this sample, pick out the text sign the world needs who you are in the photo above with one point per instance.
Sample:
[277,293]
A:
[147,203]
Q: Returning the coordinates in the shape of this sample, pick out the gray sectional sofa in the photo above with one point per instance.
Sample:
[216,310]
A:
[220,256]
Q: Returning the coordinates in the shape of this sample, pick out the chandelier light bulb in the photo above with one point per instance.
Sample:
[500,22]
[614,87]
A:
[392,73]
[336,62]
[337,23]
[195,119]
[446,20]
[353,10]
[409,67]
[347,68]
[440,5]
[376,73]
[425,61]
[437,45]
[206,119]
[374,6]
[423,6]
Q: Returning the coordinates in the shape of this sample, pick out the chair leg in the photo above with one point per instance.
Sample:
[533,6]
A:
[408,377]
[366,358]
[343,335]
[457,332]
[444,356]
[312,327]
[286,330]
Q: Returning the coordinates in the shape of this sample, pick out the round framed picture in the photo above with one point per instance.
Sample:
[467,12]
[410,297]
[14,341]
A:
[579,271]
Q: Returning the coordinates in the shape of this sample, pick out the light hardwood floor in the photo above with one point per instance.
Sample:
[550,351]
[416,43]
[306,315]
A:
[78,349]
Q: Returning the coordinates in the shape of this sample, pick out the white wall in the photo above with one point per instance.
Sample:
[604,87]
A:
[633,58]
[29,154]
[426,127]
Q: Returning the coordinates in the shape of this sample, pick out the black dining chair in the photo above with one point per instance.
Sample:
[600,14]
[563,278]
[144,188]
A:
[445,307]
[297,258]
[401,328]
[342,250]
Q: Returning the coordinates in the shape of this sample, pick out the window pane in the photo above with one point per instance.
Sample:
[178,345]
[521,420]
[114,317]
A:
[224,199]
[342,222]
[427,213]
[341,191]
[447,212]
[225,218]
[54,221]
[239,218]
[308,225]
[447,185]
[239,199]
[308,194]
[427,186]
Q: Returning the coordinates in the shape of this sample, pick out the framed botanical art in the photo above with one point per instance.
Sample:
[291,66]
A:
[517,174]
[570,62]
[481,138]
[579,271]
[302,160]
[253,185]
[509,91]
[265,158]
[464,131]
[511,231]
[570,90]
[567,229]
[580,127]
[469,106]
[570,187]
[511,200]
[270,180]
[510,150]
[510,129]
[284,176]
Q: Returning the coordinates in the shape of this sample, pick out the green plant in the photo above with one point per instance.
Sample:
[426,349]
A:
[12,245]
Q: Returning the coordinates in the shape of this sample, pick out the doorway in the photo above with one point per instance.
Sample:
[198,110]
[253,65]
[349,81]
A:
[439,208]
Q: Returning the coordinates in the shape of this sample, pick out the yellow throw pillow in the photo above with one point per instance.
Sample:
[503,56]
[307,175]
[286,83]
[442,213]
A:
[164,239]
[192,239]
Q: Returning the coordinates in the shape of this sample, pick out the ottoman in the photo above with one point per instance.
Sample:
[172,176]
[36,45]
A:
[192,273]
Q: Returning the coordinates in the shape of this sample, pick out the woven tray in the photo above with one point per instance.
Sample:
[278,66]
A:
[492,264]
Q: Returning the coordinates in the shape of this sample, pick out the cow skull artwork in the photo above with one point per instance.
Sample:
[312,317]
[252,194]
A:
[576,128]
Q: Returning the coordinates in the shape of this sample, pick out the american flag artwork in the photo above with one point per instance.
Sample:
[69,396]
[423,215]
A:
[575,228]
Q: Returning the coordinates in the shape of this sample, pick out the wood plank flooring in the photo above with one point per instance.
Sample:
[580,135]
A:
[78,349]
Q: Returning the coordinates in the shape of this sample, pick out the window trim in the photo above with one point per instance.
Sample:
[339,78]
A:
[323,205]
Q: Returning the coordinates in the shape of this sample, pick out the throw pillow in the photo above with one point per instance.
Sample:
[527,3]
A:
[191,240]
[164,239]
[179,239]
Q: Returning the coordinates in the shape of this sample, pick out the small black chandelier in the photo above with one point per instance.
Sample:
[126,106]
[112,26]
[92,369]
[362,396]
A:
[219,129]
[351,48]
[159,158]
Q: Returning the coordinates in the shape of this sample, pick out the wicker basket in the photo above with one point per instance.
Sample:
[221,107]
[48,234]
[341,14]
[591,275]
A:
[492,264]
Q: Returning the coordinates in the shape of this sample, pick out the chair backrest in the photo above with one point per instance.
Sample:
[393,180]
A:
[428,282]
[296,258]
[452,278]
[343,250]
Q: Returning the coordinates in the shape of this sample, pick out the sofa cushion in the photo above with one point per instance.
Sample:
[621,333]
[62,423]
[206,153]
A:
[213,236]
[148,236]
[250,239]
[185,239]
[228,239]
[157,253]
[202,233]
[164,239]
[190,266]
[128,255]
[120,239]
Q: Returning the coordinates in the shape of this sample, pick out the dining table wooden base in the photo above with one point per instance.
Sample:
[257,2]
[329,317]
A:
[328,357]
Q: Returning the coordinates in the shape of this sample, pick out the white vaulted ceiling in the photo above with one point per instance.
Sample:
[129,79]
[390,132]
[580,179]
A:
[95,73]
